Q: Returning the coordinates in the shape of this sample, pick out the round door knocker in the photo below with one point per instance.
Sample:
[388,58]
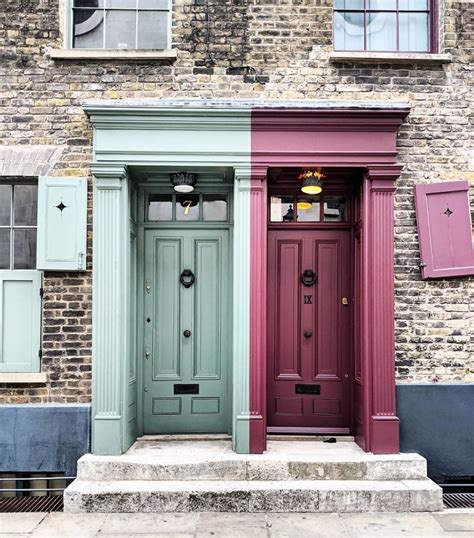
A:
[187,278]
[308,278]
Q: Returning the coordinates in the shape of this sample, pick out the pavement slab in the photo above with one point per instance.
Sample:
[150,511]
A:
[70,525]
[20,522]
[456,522]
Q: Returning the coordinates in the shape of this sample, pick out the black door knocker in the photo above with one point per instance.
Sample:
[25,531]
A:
[308,278]
[187,278]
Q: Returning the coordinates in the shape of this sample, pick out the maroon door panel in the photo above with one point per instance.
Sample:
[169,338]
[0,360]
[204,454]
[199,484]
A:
[309,331]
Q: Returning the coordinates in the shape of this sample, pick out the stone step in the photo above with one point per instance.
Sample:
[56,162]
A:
[193,466]
[253,496]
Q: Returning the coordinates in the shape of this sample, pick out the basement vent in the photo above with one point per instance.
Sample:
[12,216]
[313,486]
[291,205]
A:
[458,491]
[458,500]
[32,492]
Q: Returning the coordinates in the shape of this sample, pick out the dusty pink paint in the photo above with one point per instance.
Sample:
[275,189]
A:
[445,229]
[338,138]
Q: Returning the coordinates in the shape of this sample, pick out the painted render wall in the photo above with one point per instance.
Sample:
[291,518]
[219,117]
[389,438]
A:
[256,49]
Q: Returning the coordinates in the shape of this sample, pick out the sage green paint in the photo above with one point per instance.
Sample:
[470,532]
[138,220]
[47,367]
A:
[203,309]
[20,321]
[176,136]
[111,332]
[62,233]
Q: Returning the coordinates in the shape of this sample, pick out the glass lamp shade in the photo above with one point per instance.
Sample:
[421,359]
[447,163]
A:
[183,182]
[304,205]
[311,185]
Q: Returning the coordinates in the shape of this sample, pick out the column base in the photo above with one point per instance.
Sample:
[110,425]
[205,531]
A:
[258,435]
[385,435]
[107,436]
[241,435]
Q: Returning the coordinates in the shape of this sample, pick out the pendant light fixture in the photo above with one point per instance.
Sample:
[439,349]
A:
[311,181]
[183,182]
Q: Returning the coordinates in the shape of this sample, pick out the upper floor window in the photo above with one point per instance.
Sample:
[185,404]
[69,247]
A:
[121,24]
[384,25]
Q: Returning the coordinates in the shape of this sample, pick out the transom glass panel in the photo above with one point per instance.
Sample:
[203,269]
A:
[187,207]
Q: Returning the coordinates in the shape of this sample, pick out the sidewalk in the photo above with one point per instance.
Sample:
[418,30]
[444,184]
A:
[452,523]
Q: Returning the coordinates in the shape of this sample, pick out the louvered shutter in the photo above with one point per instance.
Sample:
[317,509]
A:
[444,229]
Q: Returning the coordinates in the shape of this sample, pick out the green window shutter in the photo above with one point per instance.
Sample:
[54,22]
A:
[20,321]
[62,224]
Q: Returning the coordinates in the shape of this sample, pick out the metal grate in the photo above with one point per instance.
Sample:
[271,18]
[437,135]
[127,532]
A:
[458,500]
[32,504]
[32,492]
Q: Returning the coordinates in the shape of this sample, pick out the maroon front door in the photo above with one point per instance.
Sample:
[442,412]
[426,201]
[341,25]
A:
[309,331]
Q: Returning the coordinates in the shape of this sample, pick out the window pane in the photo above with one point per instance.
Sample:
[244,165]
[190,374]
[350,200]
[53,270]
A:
[160,207]
[309,209]
[414,32]
[152,30]
[124,4]
[25,197]
[187,207]
[382,31]
[382,5]
[88,3]
[214,207]
[5,204]
[4,249]
[414,4]
[349,4]
[24,254]
[281,209]
[120,29]
[349,31]
[335,209]
[153,4]
[89,29]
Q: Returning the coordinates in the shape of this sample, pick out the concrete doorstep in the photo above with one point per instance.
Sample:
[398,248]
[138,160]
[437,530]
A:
[450,523]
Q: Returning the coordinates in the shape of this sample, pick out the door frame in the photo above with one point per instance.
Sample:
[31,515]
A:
[246,137]
[142,227]
[295,138]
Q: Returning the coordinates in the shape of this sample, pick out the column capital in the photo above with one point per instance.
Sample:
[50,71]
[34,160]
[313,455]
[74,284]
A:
[242,173]
[108,175]
[382,177]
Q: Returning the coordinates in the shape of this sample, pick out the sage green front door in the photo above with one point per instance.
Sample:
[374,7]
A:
[187,346]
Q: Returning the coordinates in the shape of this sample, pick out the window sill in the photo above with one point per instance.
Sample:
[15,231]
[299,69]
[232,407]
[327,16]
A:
[168,55]
[389,57]
[24,379]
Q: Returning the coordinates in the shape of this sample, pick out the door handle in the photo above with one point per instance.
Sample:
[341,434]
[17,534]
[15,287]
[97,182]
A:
[308,334]
[147,354]
[187,333]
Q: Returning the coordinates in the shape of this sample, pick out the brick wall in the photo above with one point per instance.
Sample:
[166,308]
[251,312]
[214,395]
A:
[250,49]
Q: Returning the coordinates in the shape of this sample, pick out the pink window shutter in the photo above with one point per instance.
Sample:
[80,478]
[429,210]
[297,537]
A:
[444,229]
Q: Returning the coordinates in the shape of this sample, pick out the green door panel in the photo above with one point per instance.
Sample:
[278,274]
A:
[171,358]
[166,359]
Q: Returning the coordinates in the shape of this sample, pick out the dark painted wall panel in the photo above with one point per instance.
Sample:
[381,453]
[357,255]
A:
[437,421]
[49,437]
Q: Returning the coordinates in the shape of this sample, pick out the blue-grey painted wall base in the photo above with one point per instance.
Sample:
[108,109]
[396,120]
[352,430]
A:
[44,437]
[437,421]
